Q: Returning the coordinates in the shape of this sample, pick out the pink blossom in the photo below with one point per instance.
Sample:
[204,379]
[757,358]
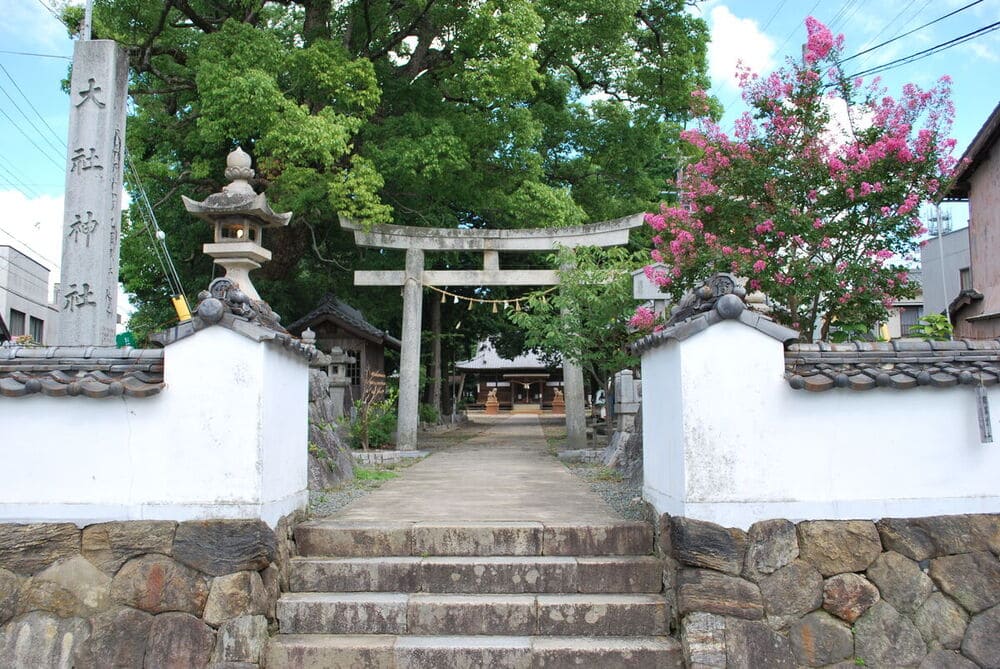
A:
[820,41]
[643,319]
[759,266]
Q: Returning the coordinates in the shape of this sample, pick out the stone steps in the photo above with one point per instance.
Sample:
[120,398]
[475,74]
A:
[473,594]
[492,614]
[313,651]
[401,539]
[490,574]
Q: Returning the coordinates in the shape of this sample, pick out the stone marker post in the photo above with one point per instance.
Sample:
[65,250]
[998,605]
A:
[92,215]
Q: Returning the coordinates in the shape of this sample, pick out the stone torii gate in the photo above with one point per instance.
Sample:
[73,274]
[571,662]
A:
[418,240]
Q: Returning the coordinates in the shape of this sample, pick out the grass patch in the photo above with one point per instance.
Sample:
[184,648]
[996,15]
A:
[366,474]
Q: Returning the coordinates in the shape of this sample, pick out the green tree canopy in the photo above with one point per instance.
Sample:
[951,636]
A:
[493,113]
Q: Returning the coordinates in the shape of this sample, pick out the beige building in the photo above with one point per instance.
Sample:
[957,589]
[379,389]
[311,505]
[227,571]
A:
[975,311]
[24,297]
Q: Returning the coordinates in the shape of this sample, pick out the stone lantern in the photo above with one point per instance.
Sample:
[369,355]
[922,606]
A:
[239,216]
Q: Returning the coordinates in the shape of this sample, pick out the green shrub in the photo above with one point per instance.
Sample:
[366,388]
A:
[933,327]
[428,414]
[374,424]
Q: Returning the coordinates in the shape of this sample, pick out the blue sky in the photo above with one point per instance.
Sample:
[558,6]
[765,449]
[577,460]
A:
[760,32]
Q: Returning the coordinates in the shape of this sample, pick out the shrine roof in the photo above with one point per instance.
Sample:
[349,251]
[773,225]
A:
[332,308]
[91,371]
[487,359]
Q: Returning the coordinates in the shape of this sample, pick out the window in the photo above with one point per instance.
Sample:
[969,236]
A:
[965,279]
[908,317]
[354,368]
[36,329]
[16,324]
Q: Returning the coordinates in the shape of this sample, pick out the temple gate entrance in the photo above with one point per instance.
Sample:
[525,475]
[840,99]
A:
[416,241]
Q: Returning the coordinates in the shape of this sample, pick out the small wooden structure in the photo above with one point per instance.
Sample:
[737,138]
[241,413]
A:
[338,324]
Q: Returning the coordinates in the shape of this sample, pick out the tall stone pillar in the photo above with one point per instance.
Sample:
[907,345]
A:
[576,419]
[409,358]
[92,216]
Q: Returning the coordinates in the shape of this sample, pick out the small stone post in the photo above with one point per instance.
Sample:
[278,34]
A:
[628,398]
[409,358]
[92,213]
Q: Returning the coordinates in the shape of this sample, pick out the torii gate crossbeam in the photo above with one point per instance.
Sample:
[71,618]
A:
[417,240]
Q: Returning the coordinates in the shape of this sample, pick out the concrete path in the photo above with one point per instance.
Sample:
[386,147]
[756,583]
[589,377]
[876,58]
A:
[503,474]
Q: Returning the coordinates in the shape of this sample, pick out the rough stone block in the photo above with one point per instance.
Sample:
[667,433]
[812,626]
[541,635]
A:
[235,596]
[698,543]
[512,574]
[602,615]
[941,622]
[973,579]
[241,640]
[437,614]
[69,587]
[839,546]
[900,581]
[218,547]
[793,590]
[10,590]
[752,645]
[623,538]
[819,639]
[178,641]
[848,596]
[354,613]
[711,592]
[388,574]
[156,583]
[617,574]
[28,549]
[982,638]
[771,544]
[883,637]
[117,639]
[41,639]
[703,637]
[478,539]
[947,659]
[326,538]
[606,653]
[109,545]
[936,536]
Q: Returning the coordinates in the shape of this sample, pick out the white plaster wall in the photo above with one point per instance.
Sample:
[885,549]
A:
[220,441]
[753,448]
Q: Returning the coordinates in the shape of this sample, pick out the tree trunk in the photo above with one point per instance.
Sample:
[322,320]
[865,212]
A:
[435,395]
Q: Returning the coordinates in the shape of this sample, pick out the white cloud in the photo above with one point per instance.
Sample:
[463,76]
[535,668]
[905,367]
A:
[736,39]
[28,21]
[33,227]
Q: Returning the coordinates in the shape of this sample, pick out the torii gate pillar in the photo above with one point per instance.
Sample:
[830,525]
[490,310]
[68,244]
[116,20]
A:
[409,358]
[489,242]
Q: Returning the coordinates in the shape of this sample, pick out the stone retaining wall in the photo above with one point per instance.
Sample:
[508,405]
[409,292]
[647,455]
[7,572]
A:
[140,593]
[922,592]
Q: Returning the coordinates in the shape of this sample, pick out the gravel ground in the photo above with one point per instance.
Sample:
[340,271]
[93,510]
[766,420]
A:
[622,496]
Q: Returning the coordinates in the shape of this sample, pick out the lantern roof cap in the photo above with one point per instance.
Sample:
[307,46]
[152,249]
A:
[238,198]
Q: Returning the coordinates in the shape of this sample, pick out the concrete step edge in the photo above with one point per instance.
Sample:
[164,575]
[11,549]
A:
[399,539]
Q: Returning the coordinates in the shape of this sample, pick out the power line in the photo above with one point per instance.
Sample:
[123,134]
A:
[53,12]
[907,34]
[11,176]
[929,51]
[155,233]
[33,108]
[26,118]
[35,55]
[33,142]
[27,246]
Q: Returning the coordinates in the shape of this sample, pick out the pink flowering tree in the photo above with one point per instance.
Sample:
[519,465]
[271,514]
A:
[814,196]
